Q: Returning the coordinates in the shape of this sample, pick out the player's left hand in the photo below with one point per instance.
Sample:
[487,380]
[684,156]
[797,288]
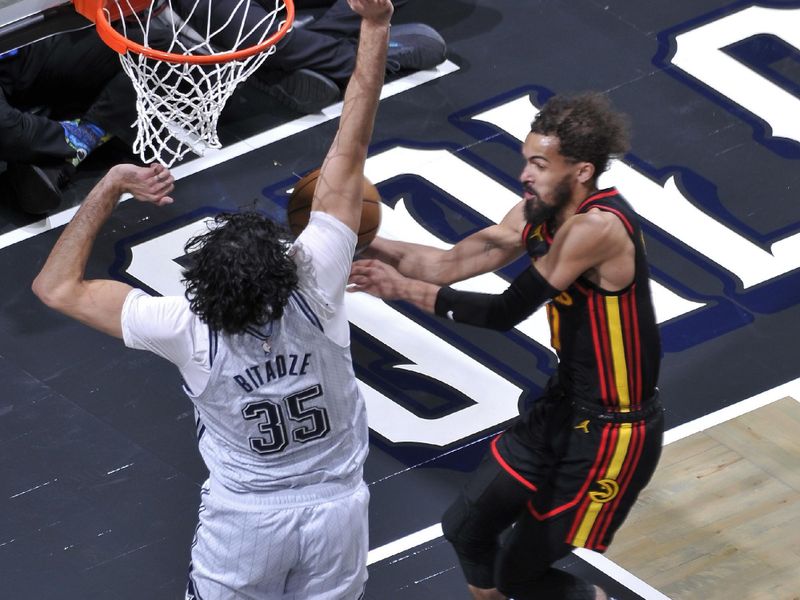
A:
[373,10]
[376,278]
[152,183]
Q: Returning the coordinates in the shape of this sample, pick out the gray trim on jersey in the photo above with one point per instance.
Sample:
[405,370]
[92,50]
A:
[261,335]
[191,588]
[305,308]
[200,429]
[213,344]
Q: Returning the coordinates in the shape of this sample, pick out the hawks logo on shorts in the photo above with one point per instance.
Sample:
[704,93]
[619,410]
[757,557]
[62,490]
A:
[609,489]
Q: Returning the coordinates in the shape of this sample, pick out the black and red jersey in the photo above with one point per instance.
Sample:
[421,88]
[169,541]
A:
[608,343]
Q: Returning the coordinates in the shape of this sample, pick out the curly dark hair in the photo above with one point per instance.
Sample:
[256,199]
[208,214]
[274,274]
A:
[240,274]
[588,128]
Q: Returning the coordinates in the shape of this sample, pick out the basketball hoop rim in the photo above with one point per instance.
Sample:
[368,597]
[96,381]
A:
[118,42]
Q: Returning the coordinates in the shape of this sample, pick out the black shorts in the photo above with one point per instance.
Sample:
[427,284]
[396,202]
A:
[584,466]
[563,476]
[493,554]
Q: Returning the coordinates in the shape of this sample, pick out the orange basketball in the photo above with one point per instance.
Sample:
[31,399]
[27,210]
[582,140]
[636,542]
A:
[299,210]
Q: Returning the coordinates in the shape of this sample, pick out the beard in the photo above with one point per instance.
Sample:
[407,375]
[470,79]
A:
[537,212]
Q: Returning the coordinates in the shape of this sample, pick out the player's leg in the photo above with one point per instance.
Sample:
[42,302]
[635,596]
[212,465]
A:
[61,75]
[334,547]
[524,568]
[241,550]
[77,68]
[580,504]
[45,75]
[490,502]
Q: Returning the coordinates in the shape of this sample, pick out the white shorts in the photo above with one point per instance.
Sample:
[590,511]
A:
[264,550]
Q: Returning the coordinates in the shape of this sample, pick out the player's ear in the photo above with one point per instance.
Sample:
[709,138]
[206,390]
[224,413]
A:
[585,172]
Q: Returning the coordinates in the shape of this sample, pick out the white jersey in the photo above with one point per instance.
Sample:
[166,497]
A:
[282,427]
[282,408]
[279,408]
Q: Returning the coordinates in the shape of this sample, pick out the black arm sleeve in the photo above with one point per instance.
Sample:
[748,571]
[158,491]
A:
[496,311]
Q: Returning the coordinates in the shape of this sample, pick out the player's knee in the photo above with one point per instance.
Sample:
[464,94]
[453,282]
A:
[475,546]
[454,519]
[461,526]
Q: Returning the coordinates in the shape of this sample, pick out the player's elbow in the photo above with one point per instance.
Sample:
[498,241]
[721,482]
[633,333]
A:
[509,309]
[50,294]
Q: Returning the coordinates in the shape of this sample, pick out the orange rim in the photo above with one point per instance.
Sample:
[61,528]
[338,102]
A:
[121,44]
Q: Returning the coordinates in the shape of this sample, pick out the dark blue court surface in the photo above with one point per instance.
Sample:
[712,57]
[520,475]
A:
[99,472]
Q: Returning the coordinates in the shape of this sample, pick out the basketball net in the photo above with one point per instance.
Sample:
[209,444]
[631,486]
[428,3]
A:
[185,65]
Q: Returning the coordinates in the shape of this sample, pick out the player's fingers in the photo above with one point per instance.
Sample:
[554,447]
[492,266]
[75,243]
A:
[370,264]
[154,174]
[161,174]
[363,277]
[359,267]
[362,281]
[160,189]
[357,279]
[356,288]
[161,200]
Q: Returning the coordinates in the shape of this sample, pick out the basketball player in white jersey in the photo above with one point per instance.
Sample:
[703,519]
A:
[262,343]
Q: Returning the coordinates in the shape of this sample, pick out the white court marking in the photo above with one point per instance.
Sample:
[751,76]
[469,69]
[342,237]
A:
[216,157]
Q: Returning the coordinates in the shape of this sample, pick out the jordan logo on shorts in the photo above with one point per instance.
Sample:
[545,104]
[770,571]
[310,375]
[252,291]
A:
[584,425]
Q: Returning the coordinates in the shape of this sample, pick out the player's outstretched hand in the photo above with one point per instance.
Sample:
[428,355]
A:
[376,278]
[373,10]
[151,184]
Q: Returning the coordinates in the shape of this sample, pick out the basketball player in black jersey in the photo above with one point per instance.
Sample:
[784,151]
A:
[567,471]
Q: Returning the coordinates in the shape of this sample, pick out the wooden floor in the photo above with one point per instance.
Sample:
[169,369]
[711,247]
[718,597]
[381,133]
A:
[720,518]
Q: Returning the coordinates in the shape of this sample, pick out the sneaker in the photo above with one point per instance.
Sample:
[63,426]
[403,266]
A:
[83,137]
[37,190]
[414,47]
[304,91]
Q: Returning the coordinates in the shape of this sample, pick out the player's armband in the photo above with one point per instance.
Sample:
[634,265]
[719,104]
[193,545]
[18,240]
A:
[496,311]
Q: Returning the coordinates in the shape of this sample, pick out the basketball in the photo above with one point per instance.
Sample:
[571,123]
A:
[299,209]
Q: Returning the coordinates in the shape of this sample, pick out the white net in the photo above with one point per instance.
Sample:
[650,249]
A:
[179,103]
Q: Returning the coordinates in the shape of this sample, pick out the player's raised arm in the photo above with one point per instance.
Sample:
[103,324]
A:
[61,284]
[339,188]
